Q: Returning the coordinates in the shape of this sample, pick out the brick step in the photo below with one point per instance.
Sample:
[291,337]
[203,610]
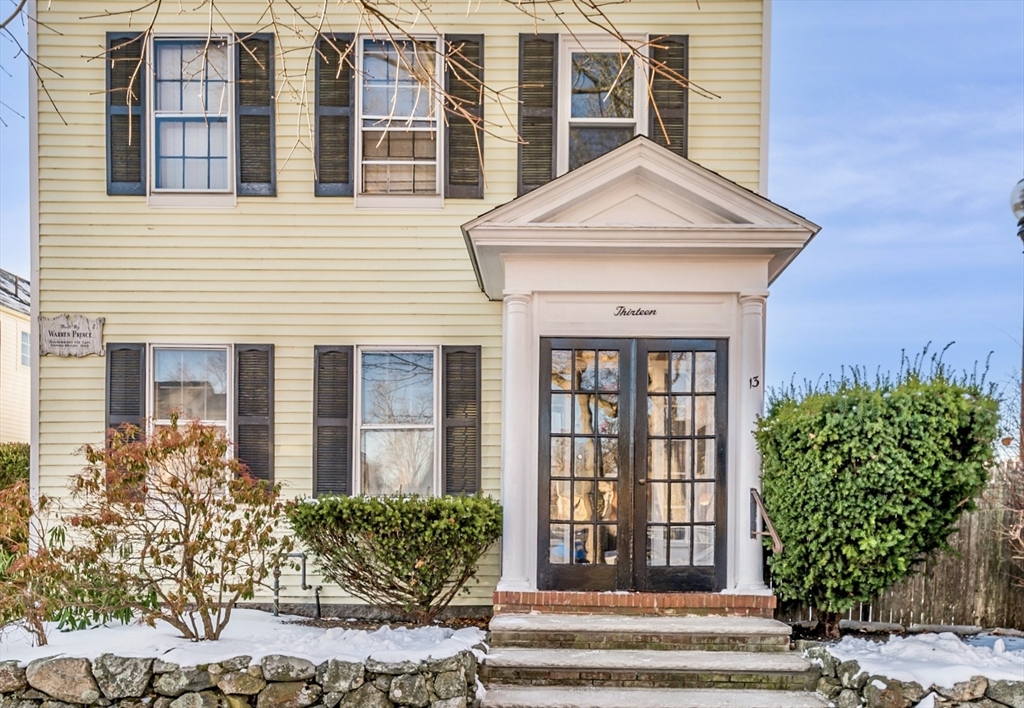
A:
[563,631]
[634,603]
[647,669]
[530,697]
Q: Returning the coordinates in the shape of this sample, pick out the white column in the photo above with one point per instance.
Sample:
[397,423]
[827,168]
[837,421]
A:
[516,390]
[749,576]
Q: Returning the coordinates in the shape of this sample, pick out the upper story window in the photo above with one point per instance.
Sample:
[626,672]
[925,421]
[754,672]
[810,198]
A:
[26,349]
[582,97]
[398,117]
[399,123]
[191,115]
[601,102]
[190,121]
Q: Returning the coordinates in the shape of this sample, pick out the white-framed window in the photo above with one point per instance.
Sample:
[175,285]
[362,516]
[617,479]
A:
[191,107]
[194,381]
[25,348]
[602,99]
[398,147]
[397,411]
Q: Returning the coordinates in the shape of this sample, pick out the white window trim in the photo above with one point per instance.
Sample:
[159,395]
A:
[397,201]
[151,419]
[185,198]
[437,427]
[567,45]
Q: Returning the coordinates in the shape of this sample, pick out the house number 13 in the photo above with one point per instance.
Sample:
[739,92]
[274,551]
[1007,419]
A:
[755,381]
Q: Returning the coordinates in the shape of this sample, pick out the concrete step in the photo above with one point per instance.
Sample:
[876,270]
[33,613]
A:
[568,631]
[530,697]
[633,668]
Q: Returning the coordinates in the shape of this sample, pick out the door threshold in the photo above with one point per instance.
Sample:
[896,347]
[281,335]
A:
[634,603]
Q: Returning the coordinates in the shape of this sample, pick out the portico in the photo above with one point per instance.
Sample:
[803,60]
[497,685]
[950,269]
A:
[634,293]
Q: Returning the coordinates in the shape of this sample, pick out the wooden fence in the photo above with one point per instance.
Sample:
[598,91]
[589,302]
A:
[977,583]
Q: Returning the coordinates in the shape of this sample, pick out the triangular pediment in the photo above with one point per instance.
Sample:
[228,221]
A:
[637,199]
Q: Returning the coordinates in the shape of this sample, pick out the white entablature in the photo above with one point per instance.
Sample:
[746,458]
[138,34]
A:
[639,200]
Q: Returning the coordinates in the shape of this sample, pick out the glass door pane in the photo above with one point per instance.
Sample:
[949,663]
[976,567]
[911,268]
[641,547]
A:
[581,469]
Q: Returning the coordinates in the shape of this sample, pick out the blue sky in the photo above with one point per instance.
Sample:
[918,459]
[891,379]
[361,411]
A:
[898,125]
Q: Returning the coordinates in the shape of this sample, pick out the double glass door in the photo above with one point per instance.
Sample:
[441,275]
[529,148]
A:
[632,464]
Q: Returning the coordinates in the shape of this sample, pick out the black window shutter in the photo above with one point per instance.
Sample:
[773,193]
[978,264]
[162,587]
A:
[332,420]
[126,385]
[461,406]
[335,109]
[255,144]
[669,100]
[464,141]
[538,115]
[254,408]
[126,166]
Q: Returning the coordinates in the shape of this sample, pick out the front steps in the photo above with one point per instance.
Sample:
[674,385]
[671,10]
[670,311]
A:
[645,698]
[561,631]
[608,661]
[631,668]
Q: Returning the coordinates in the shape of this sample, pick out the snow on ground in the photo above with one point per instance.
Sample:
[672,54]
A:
[940,659]
[251,633]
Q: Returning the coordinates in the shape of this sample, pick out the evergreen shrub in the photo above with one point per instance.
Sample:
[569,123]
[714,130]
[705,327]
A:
[863,479]
[408,556]
[14,463]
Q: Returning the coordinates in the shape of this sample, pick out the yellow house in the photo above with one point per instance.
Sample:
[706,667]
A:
[283,226]
[15,357]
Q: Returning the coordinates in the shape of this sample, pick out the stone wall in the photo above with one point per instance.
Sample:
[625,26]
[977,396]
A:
[847,686]
[275,682]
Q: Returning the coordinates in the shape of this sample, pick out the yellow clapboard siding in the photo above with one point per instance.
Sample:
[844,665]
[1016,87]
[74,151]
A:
[297,270]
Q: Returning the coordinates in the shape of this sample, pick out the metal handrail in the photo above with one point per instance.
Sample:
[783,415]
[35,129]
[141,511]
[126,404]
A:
[757,509]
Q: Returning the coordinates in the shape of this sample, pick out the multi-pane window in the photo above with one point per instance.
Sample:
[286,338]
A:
[26,349]
[397,422]
[398,117]
[192,382]
[681,468]
[584,457]
[601,103]
[191,106]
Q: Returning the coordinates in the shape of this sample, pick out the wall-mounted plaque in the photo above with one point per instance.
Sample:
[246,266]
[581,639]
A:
[71,335]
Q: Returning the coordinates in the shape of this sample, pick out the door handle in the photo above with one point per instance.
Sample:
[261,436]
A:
[641,482]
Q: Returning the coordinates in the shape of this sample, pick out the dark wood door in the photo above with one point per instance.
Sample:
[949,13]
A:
[632,464]
[680,487]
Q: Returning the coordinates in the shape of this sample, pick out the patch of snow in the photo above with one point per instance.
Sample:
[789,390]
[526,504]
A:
[939,659]
[878,684]
[251,632]
[927,702]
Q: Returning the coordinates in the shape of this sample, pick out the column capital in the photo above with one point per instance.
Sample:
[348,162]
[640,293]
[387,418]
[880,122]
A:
[753,304]
[516,301]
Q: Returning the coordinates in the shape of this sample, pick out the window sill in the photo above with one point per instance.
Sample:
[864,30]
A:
[391,202]
[191,200]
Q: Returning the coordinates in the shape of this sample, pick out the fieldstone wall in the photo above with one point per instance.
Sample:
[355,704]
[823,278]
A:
[275,682]
[847,686]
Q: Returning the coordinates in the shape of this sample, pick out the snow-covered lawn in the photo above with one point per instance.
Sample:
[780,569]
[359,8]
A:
[927,659]
[252,633]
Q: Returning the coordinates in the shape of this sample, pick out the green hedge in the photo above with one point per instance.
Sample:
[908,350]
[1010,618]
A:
[14,463]
[863,479]
[406,555]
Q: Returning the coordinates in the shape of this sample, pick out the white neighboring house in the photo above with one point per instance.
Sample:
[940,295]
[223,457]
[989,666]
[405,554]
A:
[15,357]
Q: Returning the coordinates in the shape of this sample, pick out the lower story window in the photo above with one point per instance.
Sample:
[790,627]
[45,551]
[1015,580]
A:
[397,416]
[26,349]
[192,383]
